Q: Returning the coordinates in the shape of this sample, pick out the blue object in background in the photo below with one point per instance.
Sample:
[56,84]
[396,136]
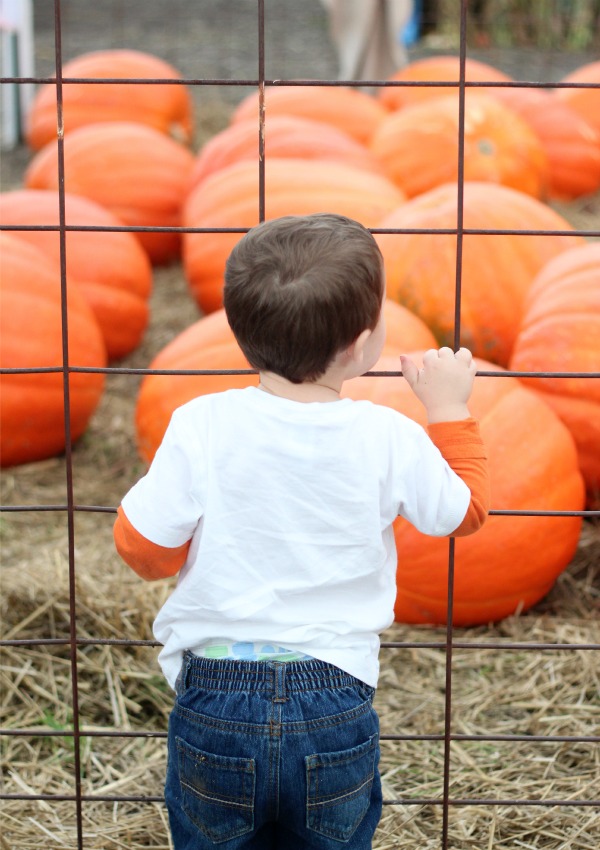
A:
[411,32]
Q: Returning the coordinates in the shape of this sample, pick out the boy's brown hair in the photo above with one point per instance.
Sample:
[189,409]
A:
[300,289]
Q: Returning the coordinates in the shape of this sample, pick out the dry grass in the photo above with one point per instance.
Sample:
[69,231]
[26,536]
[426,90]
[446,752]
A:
[495,692]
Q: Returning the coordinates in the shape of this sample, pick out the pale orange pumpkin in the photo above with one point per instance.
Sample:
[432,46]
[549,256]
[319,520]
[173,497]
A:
[353,111]
[32,419]
[513,561]
[168,108]
[432,69]
[560,332]
[418,146]
[571,143]
[136,172]
[109,267]
[230,199]
[210,344]
[584,100]
[497,270]
[286,136]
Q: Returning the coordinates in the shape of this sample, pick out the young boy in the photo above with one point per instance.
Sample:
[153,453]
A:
[275,504]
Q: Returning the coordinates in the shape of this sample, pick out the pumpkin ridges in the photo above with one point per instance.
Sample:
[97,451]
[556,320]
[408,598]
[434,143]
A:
[435,69]
[353,111]
[560,332]
[571,143]
[287,136]
[32,405]
[499,146]
[163,107]
[110,268]
[137,173]
[497,270]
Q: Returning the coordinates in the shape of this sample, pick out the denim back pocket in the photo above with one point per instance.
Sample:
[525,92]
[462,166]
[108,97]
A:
[339,789]
[217,792]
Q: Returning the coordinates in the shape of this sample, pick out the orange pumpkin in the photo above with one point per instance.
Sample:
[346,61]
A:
[167,108]
[585,101]
[285,136]
[560,332]
[110,268]
[571,143]
[229,198]
[432,69]
[497,270]
[137,173]
[353,111]
[513,561]
[31,404]
[210,344]
[418,146]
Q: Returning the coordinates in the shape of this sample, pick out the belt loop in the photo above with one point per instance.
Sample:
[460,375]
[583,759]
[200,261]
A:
[280,693]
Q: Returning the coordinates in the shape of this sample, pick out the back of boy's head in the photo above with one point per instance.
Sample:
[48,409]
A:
[300,289]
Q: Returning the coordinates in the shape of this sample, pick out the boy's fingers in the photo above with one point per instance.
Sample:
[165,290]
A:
[464,354]
[409,370]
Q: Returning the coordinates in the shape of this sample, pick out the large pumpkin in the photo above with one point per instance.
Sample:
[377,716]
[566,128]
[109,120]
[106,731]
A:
[286,136]
[210,344]
[230,199]
[497,270]
[584,100]
[137,173]
[418,146]
[571,143]
[432,69]
[560,332]
[513,561]
[32,422]
[109,267]
[168,108]
[351,110]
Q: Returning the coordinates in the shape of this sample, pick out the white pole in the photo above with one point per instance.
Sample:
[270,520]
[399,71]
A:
[16,30]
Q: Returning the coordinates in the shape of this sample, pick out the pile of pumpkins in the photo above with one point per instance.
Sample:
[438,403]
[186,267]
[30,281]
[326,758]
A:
[530,290]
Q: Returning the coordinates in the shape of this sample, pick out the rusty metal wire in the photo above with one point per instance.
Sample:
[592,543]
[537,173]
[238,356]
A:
[77,733]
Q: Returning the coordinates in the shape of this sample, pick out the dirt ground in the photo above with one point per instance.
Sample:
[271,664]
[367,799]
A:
[501,692]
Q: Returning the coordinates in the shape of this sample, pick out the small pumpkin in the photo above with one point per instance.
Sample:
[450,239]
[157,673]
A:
[32,404]
[109,267]
[137,173]
[353,111]
[168,108]
[571,143]
[499,146]
[560,332]
[230,199]
[432,69]
[497,269]
[210,344]
[513,561]
[286,136]
[584,100]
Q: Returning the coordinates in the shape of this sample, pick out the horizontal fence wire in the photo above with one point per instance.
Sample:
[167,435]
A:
[74,643]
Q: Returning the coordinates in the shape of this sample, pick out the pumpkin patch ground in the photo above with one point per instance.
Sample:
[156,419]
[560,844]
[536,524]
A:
[510,691]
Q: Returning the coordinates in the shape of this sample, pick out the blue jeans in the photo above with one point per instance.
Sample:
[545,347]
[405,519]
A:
[268,754]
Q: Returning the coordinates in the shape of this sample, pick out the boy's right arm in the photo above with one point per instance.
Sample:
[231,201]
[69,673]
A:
[149,560]
[444,385]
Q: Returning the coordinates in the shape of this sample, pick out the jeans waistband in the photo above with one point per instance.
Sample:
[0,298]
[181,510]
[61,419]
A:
[269,676]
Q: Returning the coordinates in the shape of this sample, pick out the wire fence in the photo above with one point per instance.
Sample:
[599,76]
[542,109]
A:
[74,642]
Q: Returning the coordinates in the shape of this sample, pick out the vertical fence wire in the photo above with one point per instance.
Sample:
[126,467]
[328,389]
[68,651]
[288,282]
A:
[74,643]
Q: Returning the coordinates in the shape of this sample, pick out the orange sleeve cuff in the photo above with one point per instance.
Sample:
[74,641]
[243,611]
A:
[461,445]
[149,560]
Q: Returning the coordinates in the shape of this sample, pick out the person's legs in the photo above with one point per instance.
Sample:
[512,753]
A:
[266,755]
